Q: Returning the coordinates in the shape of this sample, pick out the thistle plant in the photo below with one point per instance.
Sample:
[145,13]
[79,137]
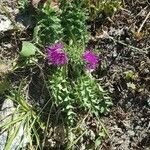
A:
[73,21]
[67,23]
[91,96]
[77,92]
[61,92]
[48,28]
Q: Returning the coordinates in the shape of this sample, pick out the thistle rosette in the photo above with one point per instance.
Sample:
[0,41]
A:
[56,55]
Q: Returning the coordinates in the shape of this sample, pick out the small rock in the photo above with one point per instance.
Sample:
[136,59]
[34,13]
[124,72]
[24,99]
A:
[131,133]
[5,24]
[148,101]
[137,127]
[120,141]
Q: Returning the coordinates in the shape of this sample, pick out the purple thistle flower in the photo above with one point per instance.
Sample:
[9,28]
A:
[91,59]
[56,55]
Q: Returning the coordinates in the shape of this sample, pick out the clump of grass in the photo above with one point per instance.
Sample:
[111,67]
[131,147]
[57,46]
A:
[24,117]
[98,7]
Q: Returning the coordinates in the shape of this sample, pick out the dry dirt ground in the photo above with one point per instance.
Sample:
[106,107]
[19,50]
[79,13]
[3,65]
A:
[125,43]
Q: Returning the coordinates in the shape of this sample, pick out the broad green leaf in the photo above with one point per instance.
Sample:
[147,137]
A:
[28,49]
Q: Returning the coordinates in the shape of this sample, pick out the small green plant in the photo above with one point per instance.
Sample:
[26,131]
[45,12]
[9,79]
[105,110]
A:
[67,23]
[24,116]
[48,28]
[96,7]
[91,96]
[23,4]
[62,95]
[73,20]
[129,75]
[110,7]
[83,94]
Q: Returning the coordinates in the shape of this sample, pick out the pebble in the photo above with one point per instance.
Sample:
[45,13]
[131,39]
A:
[131,133]
[5,23]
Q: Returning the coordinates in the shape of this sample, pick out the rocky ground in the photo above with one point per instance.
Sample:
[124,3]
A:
[126,48]
[125,43]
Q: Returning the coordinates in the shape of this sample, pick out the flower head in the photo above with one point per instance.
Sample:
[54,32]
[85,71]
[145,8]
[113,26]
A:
[91,60]
[56,55]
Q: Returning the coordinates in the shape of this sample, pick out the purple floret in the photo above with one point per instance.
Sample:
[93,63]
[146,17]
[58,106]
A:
[91,60]
[56,55]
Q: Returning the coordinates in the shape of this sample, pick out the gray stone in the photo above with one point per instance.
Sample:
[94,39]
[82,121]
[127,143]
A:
[7,109]
[8,13]
[131,133]
[5,23]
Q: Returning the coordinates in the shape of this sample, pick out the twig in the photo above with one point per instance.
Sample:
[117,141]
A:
[141,11]
[147,16]
[127,45]
[142,50]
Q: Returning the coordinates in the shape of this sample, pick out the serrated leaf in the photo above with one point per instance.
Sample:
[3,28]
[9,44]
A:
[98,142]
[28,49]
[102,109]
